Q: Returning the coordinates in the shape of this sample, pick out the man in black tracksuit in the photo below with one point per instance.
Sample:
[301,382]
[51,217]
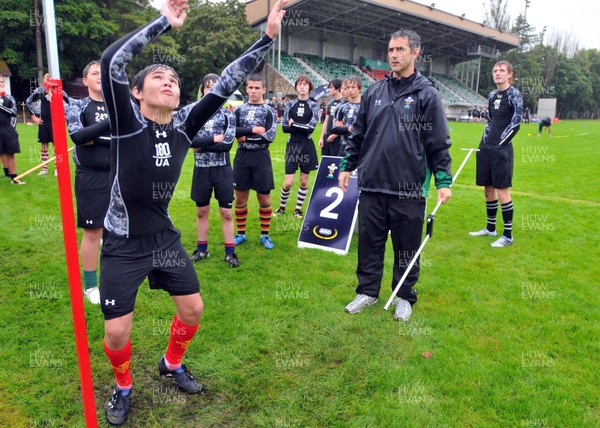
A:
[399,140]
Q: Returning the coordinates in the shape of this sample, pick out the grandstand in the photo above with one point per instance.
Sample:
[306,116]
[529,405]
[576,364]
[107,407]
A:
[336,38]
[331,68]
[457,91]
[291,67]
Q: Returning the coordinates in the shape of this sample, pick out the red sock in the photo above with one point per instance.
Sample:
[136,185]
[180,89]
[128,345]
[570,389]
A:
[181,336]
[120,361]
[241,215]
[266,212]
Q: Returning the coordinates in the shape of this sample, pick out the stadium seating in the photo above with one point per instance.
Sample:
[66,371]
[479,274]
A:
[455,92]
[291,68]
[335,68]
[326,69]
[377,74]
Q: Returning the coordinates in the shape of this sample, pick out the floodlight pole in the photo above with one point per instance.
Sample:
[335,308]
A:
[54,87]
[428,234]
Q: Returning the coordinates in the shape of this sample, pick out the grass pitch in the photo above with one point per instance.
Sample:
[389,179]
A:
[513,332]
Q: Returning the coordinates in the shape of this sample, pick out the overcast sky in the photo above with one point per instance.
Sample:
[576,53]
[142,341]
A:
[578,17]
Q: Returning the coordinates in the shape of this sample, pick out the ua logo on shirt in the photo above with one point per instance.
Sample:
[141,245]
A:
[109,302]
[162,134]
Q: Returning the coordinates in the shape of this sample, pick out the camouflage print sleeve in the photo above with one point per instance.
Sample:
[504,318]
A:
[516,100]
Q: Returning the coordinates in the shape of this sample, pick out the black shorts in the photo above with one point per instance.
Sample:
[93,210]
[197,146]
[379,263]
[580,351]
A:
[301,155]
[45,134]
[253,171]
[9,141]
[126,262]
[331,149]
[543,124]
[205,180]
[92,191]
[495,166]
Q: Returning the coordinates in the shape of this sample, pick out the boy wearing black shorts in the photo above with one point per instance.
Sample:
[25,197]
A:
[9,139]
[495,158]
[299,120]
[88,126]
[149,144]
[213,171]
[256,126]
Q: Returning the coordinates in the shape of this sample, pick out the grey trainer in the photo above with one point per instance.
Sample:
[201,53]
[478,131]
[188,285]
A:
[403,309]
[361,302]
[503,241]
[484,232]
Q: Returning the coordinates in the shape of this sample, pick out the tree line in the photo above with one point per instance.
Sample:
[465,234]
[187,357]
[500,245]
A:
[555,68]
[218,32]
[214,34]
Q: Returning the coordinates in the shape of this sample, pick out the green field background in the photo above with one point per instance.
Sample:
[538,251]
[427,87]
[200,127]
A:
[514,332]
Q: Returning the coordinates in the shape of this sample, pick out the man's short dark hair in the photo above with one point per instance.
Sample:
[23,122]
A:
[258,78]
[336,84]
[86,70]
[138,80]
[304,78]
[414,40]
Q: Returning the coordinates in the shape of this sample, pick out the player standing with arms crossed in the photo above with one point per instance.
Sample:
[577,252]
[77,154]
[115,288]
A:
[213,171]
[299,120]
[256,126]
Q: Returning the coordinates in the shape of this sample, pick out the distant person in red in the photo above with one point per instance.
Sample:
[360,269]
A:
[42,117]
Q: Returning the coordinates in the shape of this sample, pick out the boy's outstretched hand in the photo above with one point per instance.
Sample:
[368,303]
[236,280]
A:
[175,12]
[274,19]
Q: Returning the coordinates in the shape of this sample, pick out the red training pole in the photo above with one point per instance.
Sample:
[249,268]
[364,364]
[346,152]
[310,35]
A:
[54,86]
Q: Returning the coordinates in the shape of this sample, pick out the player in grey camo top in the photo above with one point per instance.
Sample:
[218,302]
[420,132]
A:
[213,172]
[149,143]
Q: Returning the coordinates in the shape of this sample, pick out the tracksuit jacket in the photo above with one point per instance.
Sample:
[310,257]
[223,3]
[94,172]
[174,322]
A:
[400,138]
